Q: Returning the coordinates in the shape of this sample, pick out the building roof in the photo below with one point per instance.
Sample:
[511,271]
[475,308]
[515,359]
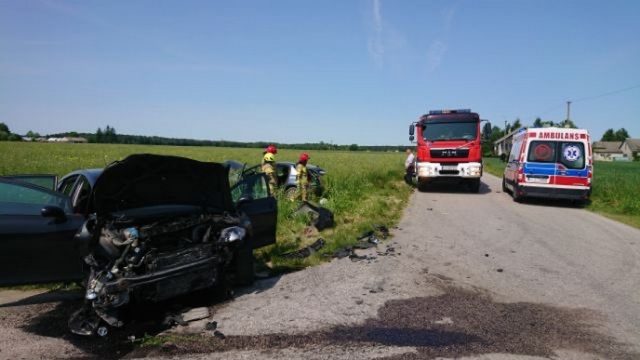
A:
[634,144]
[510,134]
[612,147]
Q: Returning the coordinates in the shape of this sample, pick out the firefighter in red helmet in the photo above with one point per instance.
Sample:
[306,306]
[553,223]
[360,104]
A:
[269,167]
[302,177]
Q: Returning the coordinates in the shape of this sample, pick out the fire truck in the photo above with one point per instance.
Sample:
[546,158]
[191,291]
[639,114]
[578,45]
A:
[448,147]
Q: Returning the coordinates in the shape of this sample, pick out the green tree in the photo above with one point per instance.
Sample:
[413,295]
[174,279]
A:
[99,136]
[608,135]
[353,147]
[4,128]
[537,123]
[622,134]
[516,125]
[567,123]
[32,134]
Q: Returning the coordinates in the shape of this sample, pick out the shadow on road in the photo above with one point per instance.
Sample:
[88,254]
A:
[457,323]
[454,188]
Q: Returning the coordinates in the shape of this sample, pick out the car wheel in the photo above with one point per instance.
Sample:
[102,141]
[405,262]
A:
[244,274]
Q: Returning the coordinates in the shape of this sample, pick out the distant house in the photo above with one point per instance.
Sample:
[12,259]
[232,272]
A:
[607,150]
[630,148]
[74,139]
[502,146]
[67,139]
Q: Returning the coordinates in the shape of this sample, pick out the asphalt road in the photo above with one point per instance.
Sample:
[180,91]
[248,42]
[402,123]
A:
[467,276]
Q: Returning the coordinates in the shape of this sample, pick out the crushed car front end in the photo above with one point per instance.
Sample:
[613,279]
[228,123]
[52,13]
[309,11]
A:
[163,227]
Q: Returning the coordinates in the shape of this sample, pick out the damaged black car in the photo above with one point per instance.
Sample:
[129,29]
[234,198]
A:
[163,226]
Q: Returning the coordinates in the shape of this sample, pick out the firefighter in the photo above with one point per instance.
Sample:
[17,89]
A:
[409,167]
[302,177]
[269,167]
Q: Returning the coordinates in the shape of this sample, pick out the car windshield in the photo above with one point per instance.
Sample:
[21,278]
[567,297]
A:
[450,131]
[568,153]
[21,199]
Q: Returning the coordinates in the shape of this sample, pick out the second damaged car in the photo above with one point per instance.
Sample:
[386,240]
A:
[165,226]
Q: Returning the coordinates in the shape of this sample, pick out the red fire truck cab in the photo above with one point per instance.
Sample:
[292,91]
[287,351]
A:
[448,147]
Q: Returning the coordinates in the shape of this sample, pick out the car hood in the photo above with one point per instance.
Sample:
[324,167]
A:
[144,180]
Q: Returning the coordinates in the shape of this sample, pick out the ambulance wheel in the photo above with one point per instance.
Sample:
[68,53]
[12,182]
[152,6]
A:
[504,185]
[517,198]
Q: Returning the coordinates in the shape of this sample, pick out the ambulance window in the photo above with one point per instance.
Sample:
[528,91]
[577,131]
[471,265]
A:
[572,155]
[542,151]
[515,150]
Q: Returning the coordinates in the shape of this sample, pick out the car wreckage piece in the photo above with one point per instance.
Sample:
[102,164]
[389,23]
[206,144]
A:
[163,227]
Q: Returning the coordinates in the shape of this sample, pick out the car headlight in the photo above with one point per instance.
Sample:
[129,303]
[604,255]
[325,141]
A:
[232,234]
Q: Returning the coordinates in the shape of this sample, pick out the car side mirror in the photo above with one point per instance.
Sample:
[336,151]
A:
[486,131]
[54,212]
[411,138]
[412,129]
[243,200]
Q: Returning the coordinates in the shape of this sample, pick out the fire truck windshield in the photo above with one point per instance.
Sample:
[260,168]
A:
[434,131]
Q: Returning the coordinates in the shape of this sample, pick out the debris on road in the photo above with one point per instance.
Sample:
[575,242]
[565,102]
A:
[500,270]
[211,326]
[219,335]
[305,251]
[195,314]
[320,217]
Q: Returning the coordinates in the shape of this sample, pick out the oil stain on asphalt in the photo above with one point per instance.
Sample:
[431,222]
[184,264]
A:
[457,323]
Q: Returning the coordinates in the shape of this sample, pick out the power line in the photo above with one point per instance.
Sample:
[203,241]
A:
[608,93]
[586,98]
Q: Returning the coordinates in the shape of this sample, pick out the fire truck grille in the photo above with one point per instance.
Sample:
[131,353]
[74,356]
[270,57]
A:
[449,172]
[449,153]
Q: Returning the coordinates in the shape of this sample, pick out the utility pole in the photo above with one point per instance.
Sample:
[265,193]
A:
[568,110]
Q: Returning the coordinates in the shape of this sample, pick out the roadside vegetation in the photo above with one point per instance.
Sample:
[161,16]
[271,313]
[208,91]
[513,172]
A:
[615,193]
[363,189]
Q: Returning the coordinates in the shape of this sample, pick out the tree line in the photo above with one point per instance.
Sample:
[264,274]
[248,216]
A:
[109,135]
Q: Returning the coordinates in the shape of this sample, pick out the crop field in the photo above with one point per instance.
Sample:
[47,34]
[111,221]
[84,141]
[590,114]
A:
[362,188]
[615,192]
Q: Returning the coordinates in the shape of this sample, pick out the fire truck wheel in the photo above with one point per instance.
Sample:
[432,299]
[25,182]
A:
[474,186]
[422,185]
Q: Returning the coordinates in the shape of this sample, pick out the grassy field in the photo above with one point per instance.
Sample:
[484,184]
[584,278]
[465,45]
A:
[615,193]
[362,188]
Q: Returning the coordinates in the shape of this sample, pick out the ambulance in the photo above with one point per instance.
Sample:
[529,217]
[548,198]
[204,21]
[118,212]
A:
[549,163]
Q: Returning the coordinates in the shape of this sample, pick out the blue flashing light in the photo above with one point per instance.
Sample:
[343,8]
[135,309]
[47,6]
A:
[457,111]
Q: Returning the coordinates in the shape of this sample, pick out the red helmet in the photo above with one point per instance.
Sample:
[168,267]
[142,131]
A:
[304,157]
[271,149]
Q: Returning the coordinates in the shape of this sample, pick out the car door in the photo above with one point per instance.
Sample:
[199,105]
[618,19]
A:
[37,245]
[47,181]
[251,196]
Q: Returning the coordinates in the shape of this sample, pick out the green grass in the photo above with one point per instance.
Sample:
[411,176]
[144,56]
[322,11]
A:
[615,192]
[362,188]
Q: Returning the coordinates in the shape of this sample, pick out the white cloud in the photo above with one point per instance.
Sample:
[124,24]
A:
[376,46]
[435,54]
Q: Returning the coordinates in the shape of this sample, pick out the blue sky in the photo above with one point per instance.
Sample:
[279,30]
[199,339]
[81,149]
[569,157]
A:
[305,71]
